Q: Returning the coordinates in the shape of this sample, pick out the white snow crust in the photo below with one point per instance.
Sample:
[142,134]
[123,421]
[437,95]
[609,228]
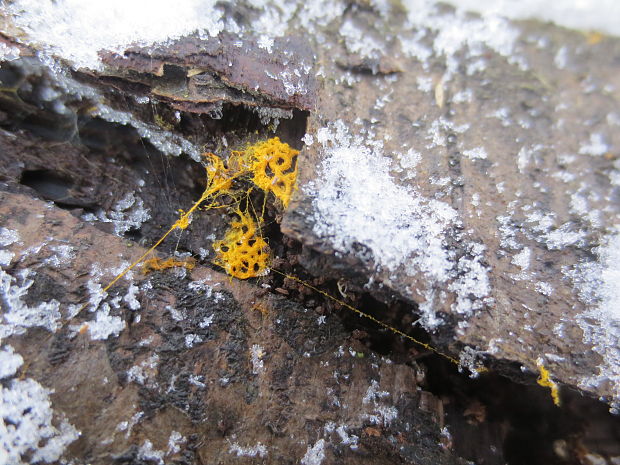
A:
[357,203]
[598,283]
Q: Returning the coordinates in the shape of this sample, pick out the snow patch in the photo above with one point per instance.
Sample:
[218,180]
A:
[256,356]
[595,147]
[478,153]
[463,96]
[9,362]
[424,83]
[144,371]
[62,255]
[358,41]
[347,439]
[206,322]
[360,208]
[470,360]
[450,33]
[130,298]
[27,432]
[127,426]
[18,316]
[149,454]
[8,237]
[128,213]
[598,285]
[599,15]
[561,57]
[526,155]
[315,454]
[258,450]
[77,31]
[192,339]
[6,257]
[408,162]
[175,441]
[544,288]
[383,414]
[176,315]
[522,259]
[105,325]
[8,52]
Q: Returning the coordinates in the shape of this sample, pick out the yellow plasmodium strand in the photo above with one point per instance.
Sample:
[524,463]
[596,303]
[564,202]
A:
[157,264]
[214,187]
[545,380]
[373,319]
[181,223]
[243,253]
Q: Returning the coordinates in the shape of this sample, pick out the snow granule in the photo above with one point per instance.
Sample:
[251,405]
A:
[598,285]
[315,454]
[27,433]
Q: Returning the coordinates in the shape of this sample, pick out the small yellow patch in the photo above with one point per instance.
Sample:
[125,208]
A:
[183,221]
[260,307]
[157,264]
[545,380]
[594,37]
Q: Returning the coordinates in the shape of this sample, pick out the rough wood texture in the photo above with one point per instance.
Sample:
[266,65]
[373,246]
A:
[458,179]
[225,369]
[540,187]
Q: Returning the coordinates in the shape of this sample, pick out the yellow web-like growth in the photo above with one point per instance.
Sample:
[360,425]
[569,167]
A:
[263,162]
[217,173]
[274,168]
[242,253]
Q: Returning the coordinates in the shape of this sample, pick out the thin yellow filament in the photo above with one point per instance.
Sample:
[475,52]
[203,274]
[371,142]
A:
[545,380]
[181,223]
[372,318]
